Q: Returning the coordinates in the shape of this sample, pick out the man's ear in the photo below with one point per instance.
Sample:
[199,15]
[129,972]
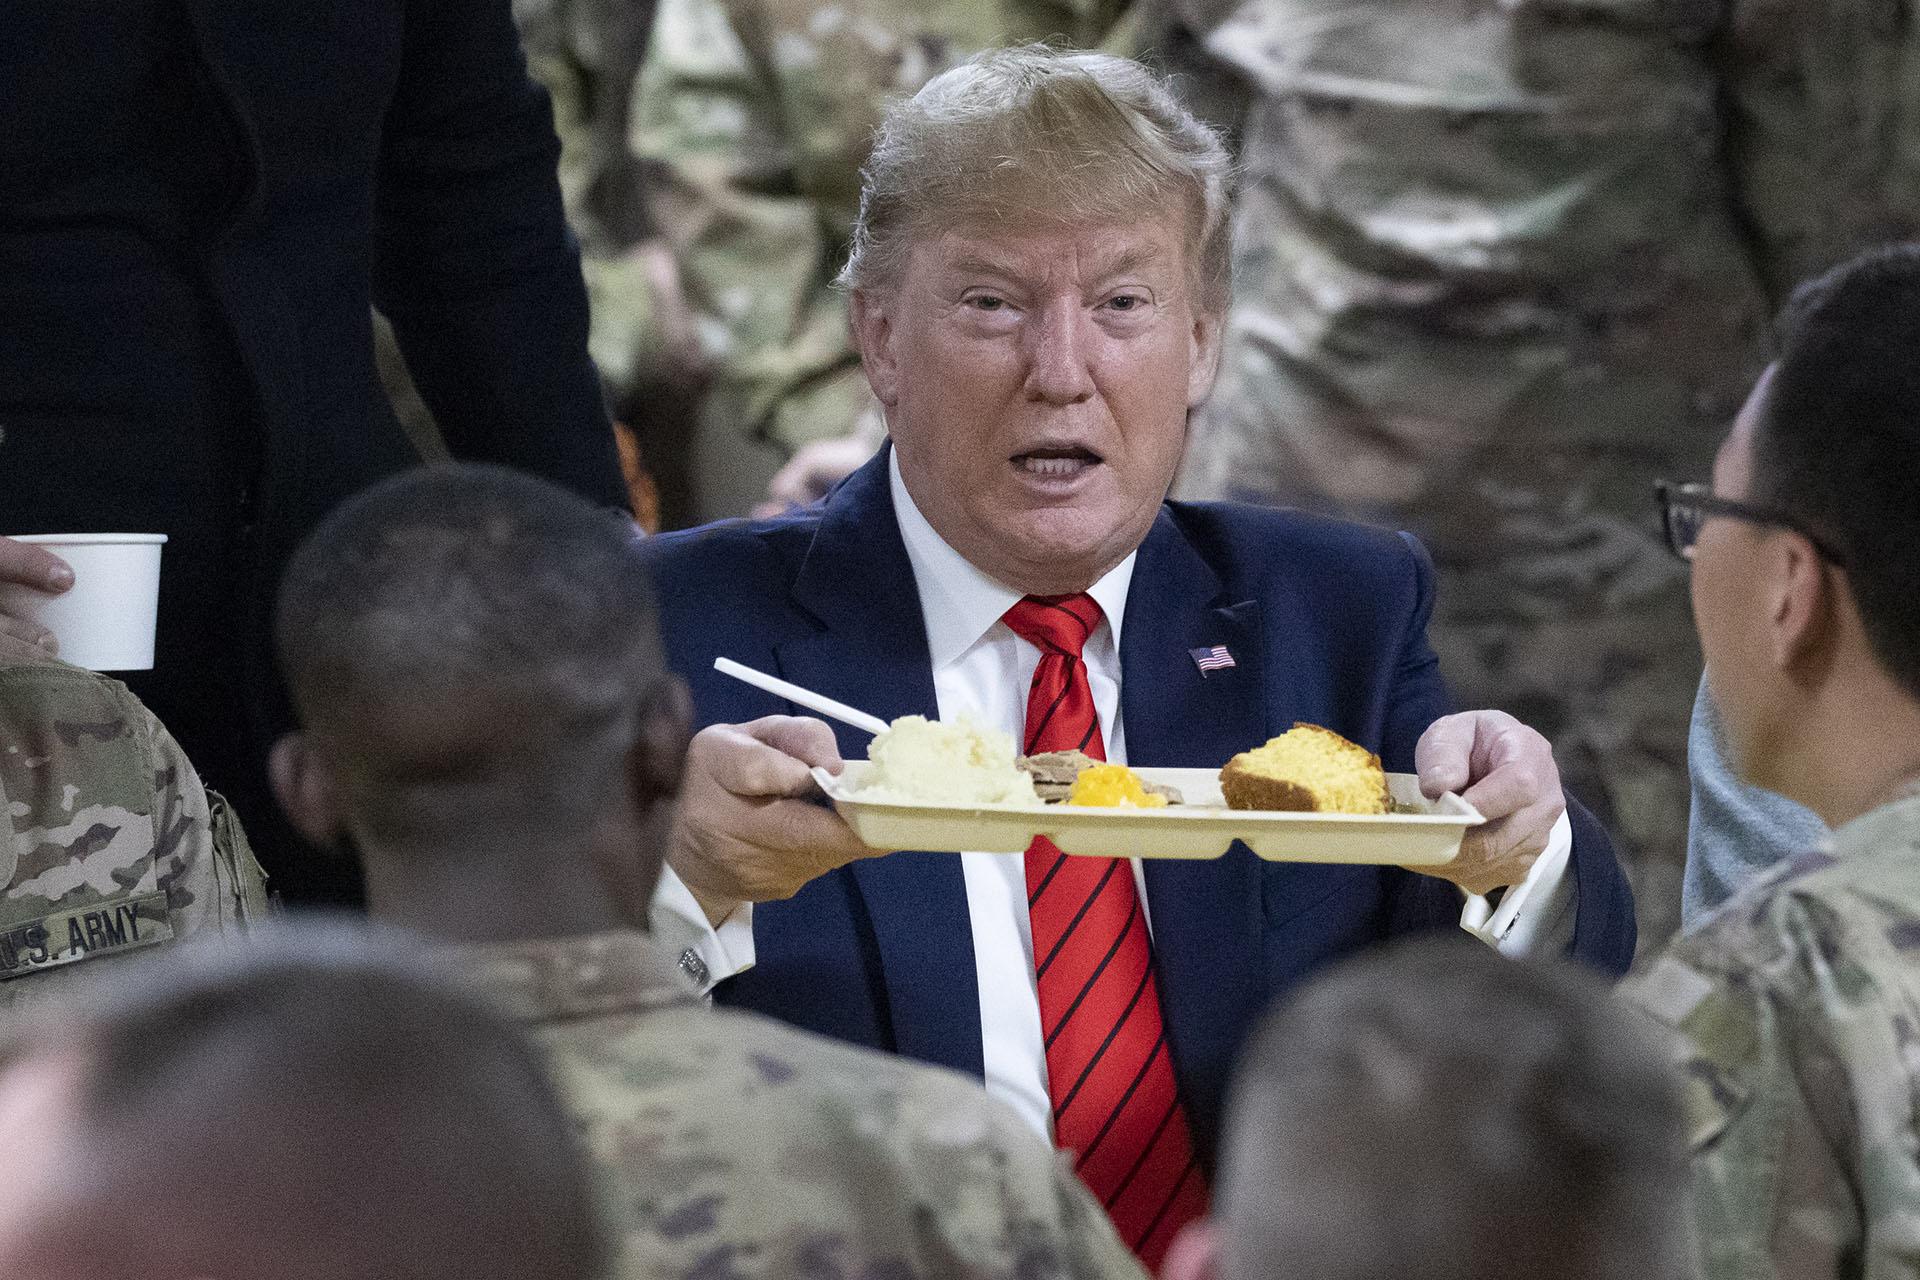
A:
[1801,606]
[872,321]
[1194,1253]
[1203,357]
[659,754]
[308,791]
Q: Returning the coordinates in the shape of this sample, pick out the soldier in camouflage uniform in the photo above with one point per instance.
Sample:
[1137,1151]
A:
[760,114]
[1796,1008]
[508,796]
[108,842]
[1498,267]
[739,1146]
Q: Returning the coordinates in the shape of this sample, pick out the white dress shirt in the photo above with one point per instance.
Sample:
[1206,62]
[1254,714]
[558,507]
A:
[982,670]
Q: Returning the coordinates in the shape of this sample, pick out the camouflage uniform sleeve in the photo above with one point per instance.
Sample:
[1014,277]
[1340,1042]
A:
[756,239]
[1800,1097]
[109,844]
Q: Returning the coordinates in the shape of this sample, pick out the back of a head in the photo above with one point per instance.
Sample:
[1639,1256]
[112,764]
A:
[1838,445]
[1435,1110]
[312,1110]
[477,642]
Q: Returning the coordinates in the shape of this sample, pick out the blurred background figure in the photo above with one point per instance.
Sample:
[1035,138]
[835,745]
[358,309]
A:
[198,209]
[111,851]
[757,116]
[311,1110]
[1434,1109]
[587,54]
[1500,266]
[1796,1003]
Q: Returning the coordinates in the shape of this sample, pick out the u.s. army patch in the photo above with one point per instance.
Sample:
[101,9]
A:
[67,937]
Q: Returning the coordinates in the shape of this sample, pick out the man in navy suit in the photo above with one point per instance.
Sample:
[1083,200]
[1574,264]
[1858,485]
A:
[1037,284]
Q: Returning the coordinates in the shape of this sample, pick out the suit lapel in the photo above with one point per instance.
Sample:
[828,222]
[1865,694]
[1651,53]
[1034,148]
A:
[871,653]
[1207,914]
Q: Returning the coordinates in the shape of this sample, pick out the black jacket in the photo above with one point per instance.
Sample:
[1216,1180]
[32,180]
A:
[381,151]
[205,368]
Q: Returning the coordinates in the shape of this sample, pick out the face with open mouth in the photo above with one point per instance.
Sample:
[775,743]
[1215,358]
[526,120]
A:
[1036,383]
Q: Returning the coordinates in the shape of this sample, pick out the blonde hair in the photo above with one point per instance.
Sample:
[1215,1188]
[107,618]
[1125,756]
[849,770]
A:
[1032,135]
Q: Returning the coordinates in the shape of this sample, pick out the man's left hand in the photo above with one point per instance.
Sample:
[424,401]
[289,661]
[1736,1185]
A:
[1506,771]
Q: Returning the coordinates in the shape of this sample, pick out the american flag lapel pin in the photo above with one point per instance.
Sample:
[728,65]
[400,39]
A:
[1215,658]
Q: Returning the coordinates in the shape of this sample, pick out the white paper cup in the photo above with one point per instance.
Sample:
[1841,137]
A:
[105,622]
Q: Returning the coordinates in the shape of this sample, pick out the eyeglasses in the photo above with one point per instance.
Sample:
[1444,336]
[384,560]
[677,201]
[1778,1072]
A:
[1685,507]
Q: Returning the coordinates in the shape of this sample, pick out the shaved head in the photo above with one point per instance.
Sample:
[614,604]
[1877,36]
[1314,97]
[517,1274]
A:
[453,577]
[476,652]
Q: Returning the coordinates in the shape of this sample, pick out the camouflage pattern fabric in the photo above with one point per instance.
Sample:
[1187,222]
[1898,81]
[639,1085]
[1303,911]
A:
[759,114]
[1500,266]
[734,1147]
[109,845]
[587,54]
[1796,1018]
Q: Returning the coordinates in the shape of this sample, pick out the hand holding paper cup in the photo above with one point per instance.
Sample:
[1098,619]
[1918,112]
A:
[31,566]
[105,622]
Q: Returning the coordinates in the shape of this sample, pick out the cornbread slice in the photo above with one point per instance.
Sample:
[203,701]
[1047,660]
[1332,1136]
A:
[1307,768]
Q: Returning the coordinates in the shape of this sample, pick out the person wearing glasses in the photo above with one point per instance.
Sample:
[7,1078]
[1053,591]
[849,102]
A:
[1735,830]
[1797,1004]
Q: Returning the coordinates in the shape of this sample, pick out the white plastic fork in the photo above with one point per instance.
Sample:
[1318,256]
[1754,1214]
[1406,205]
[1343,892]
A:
[801,697]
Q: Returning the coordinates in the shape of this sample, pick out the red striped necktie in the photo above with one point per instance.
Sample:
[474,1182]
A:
[1108,1070]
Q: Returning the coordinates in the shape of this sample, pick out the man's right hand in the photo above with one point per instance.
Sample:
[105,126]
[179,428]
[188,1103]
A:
[28,565]
[746,830]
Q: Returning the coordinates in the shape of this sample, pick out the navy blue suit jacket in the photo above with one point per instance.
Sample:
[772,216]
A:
[1326,622]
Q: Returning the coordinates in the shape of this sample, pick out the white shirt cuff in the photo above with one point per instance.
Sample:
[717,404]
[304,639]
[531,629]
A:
[708,956]
[1535,916]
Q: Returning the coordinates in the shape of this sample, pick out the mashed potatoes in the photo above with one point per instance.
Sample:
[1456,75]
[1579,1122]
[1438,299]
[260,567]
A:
[922,761]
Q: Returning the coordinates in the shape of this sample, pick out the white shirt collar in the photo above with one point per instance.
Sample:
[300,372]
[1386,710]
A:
[959,602]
